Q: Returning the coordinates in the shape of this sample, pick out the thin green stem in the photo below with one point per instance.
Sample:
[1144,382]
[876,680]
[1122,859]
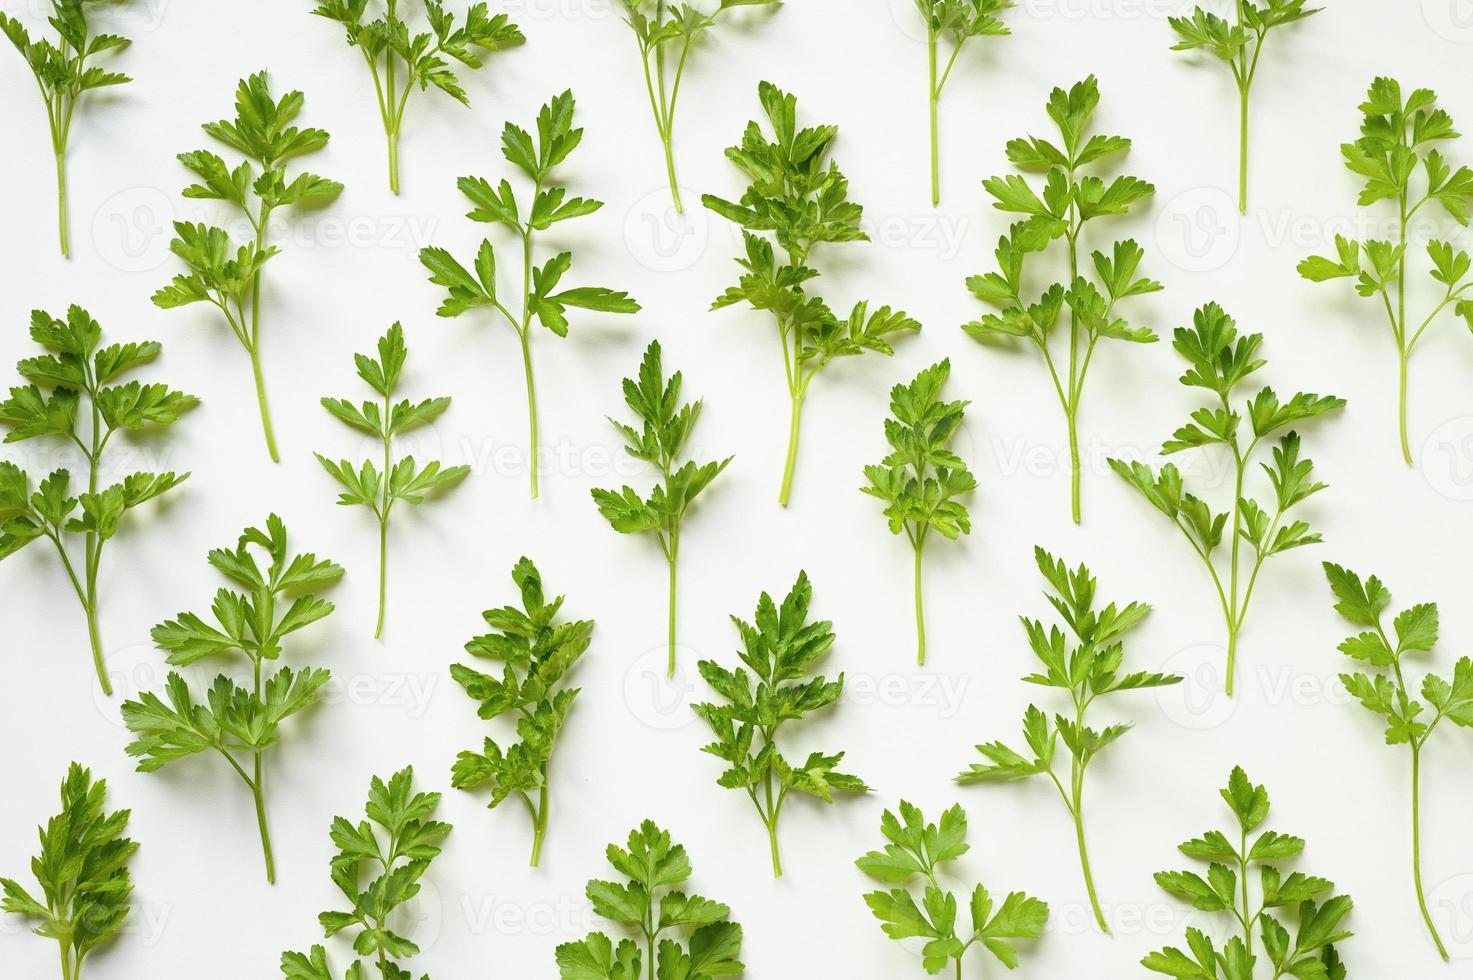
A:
[933,96]
[532,460]
[1243,148]
[260,797]
[1417,849]
[674,558]
[383,573]
[1401,410]
[61,206]
[539,823]
[393,137]
[1089,881]
[794,422]
[1234,619]
[920,610]
[260,381]
[777,862]
[1073,466]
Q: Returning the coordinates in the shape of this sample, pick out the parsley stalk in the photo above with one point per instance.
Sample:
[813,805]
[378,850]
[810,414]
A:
[956,21]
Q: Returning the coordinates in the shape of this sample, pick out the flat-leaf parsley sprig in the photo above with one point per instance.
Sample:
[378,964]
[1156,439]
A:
[82,869]
[63,75]
[1069,201]
[1239,44]
[1308,952]
[1088,670]
[665,426]
[222,273]
[378,868]
[388,47]
[71,396]
[652,906]
[666,33]
[1219,360]
[1397,140]
[780,647]
[798,195]
[549,203]
[922,480]
[239,722]
[917,850]
[538,650]
[955,21]
[400,479]
[1386,692]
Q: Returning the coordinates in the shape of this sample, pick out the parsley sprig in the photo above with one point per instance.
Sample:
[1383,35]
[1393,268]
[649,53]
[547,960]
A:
[240,723]
[222,273]
[917,850]
[538,652]
[1219,360]
[1238,44]
[82,869]
[556,138]
[780,647]
[1397,137]
[956,22]
[798,195]
[388,46]
[651,905]
[1386,692]
[71,396]
[63,75]
[665,427]
[378,867]
[922,480]
[666,32]
[1308,952]
[1088,670]
[400,479]
[1071,198]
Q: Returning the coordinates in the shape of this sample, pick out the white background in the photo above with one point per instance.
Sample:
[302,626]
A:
[631,749]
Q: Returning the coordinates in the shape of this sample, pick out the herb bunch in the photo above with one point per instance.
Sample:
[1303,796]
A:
[1386,693]
[1308,952]
[922,480]
[1398,137]
[917,850]
[798,195]
[63,75]
[52,405]
[225,274]
[391,860]
[651,905]
[540,298]
[399,480]
[666,33]
[239,722]
[83,873]
[665,426]
[1219,360]
[781,648]
[538,651]
[956,21]
[388,46]
[1088,670]
[1071,198]
[1238,44]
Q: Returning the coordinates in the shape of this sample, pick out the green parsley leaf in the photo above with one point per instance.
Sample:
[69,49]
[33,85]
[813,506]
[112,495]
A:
[63,75]
[400,479]
[238,722]
[537,652]
[75,366]
[799,197]
[1087,670]
[922,480]
[917,849]
[780,647]
[1397,137]
[540,299]
[665,426]
[1219,359]
[1070,198]
[221,273]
